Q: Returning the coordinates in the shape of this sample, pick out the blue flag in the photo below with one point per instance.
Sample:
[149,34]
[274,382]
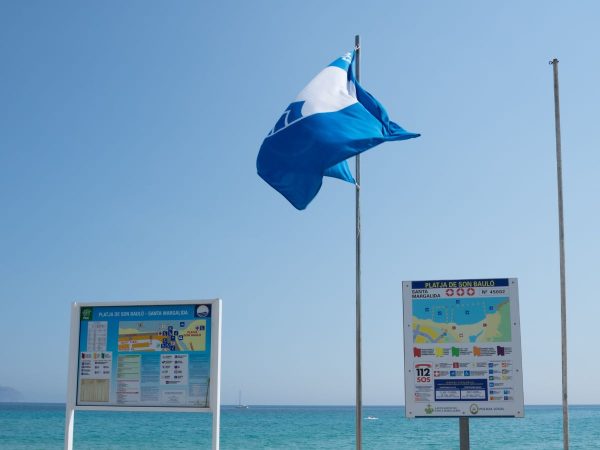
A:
[332,119]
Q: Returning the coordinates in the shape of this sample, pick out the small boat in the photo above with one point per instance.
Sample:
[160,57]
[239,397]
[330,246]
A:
[371,418]
[240,405]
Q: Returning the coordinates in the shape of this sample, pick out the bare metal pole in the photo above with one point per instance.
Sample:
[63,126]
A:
[358,277]
[561,237]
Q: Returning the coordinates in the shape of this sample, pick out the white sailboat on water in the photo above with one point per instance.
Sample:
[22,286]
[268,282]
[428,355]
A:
[240,405]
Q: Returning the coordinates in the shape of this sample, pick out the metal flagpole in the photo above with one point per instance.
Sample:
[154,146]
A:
[358,276]
[561,237]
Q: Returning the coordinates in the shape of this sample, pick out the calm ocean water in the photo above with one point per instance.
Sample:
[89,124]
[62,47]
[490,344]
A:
[41,426]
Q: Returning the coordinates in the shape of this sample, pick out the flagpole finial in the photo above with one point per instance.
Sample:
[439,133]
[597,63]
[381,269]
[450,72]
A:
[553,61]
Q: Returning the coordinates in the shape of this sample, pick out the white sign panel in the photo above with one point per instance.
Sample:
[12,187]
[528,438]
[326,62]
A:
[145,356]
[152,355]
[462,348]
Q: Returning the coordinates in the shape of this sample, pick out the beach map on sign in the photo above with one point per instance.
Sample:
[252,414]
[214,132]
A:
[465,320]
[162,336]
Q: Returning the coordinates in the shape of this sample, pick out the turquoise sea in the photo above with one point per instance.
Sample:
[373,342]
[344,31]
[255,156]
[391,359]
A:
[34,426]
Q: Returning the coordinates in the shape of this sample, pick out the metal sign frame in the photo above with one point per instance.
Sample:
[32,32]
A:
[459,376]
[215,368]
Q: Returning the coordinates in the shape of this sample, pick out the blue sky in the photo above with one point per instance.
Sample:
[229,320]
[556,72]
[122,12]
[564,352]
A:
[128,138]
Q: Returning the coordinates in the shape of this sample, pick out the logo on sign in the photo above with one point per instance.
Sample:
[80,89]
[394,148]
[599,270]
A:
[423,372]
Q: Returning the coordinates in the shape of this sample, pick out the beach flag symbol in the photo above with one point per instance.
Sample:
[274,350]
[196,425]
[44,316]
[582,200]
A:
[500,350]
[476,351]
[416,352]
[439,352]
[455,351]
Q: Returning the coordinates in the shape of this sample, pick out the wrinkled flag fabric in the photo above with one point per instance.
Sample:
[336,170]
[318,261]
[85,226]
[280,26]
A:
[332,119]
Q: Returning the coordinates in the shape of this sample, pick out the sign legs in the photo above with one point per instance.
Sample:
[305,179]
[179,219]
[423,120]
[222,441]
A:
[464,433]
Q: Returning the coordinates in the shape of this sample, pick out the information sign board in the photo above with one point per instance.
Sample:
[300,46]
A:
[462,348]
[145,356]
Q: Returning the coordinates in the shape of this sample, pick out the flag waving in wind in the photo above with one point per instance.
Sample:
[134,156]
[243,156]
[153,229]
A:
[332,119]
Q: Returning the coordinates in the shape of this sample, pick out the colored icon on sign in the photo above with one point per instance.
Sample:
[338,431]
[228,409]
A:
[455,351]
[416,352]
[439,351]
[500,350]
[476,351]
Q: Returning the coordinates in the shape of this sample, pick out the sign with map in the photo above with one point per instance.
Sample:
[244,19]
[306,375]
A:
[146,355]
[462,348]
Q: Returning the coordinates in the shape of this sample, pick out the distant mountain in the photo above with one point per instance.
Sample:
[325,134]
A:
[8,394]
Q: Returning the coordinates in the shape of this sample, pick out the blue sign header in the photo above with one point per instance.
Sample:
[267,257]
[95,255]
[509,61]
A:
[440,284]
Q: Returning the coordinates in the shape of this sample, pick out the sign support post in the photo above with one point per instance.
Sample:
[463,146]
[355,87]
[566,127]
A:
[464,433]
[216,375]
[72,378]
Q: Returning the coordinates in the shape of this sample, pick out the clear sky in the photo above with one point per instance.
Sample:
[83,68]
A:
[128,138]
